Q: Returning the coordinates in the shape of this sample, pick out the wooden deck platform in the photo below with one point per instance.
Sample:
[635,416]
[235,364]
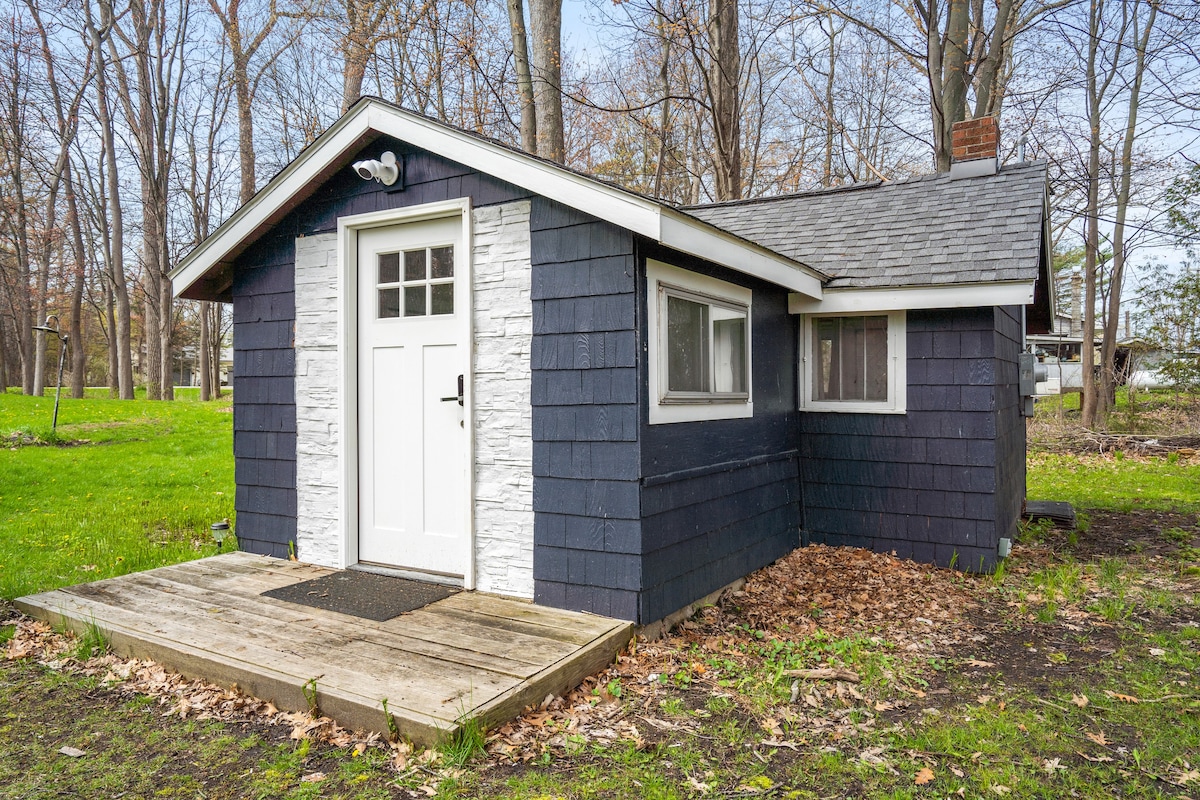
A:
[468,656]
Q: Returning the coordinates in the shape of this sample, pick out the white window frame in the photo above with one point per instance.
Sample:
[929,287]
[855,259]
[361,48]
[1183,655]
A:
[897,378]
[661,279]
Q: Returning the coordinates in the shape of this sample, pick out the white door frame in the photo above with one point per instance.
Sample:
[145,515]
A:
[348,228]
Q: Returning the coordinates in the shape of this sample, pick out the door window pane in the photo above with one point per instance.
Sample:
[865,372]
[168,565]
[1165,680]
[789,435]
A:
[389,303]
[414,301]
[389,268]
[414,265]
[441,262]
[441,300]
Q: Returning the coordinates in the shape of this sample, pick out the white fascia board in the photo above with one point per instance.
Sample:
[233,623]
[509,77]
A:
[288,183]
[839,301]
[609,203]
[690,235]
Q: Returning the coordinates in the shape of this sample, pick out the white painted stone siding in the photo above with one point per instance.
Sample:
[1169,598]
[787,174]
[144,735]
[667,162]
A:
[503,337]
[319,538]
[503,318]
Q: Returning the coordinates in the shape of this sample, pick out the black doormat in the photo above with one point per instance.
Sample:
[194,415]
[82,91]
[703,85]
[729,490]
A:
[363,594]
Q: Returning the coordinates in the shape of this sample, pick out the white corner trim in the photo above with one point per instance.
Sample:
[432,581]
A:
[662,413]
[897,370]
[846,301]
[503,431]
[318,396]
[625,209]
[348,228]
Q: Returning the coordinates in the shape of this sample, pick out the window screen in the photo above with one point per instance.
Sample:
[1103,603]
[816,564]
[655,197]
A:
[850,358]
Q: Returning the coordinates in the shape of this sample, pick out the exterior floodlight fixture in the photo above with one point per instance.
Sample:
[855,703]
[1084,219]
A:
[386,170]
[62,354]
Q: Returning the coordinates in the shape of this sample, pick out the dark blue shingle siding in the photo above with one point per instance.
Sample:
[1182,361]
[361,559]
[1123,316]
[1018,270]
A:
[944,481]
[721,498]
[586,453]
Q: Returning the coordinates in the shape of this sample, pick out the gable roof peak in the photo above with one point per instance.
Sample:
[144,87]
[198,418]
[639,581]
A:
[206,272]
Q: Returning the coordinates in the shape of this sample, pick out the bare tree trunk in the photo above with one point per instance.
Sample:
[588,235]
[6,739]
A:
[364,26]
[152,375]
[1108,346]
[1097,88]
[78,353]
[990,78]
[215,328]
[114,349]
[13,137]
[155,54]
[830,130]
[3,357]
[520,43]
[205,355]
[664,86]
[242,51]
[724,75]
[545,19]
[116,227]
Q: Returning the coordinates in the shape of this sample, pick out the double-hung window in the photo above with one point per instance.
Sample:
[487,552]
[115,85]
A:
[699,346]
[853,362]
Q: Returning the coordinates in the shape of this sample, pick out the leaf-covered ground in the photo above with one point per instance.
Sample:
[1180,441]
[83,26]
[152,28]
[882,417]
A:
[1072,673]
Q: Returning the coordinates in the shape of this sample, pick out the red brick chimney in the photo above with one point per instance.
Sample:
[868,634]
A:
[974,147]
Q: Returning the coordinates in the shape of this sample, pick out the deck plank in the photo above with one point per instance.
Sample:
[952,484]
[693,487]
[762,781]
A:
[473,634]
[508,608]
[466,656]
[298,653]
[453,649]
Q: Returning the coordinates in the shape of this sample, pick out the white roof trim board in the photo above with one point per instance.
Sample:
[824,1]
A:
[636,213]
[851,301]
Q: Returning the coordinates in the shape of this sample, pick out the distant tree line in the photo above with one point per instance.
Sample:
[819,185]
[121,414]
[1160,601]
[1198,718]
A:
[130,128]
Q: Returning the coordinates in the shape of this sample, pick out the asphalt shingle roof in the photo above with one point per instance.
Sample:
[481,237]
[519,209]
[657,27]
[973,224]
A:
[928,231]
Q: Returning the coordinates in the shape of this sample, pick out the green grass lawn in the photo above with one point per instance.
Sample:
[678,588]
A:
[125,486]
[1115,482]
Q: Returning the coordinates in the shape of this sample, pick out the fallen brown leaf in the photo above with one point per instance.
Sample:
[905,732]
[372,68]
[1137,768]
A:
[1124,698]
[924,776]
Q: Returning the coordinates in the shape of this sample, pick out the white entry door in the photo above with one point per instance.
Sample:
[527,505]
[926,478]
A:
[413,348]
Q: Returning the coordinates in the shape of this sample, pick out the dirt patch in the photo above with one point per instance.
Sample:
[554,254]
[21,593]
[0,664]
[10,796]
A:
[1146,533]
[18,439]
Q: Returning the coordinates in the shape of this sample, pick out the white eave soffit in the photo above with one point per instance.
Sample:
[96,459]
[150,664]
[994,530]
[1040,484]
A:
[640,215]
[849,301]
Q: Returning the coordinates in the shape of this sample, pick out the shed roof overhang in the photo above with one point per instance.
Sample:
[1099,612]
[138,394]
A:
[207,272]
[1035,294]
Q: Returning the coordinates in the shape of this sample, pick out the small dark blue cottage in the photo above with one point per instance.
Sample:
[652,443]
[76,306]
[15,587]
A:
[457,361]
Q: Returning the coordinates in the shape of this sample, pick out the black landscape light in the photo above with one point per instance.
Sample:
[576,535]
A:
[219,531]
[62,354]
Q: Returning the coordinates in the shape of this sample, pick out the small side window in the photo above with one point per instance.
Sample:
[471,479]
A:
[854,363]
[699,346]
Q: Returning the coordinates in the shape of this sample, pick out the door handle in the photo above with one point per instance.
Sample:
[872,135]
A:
[459,396]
